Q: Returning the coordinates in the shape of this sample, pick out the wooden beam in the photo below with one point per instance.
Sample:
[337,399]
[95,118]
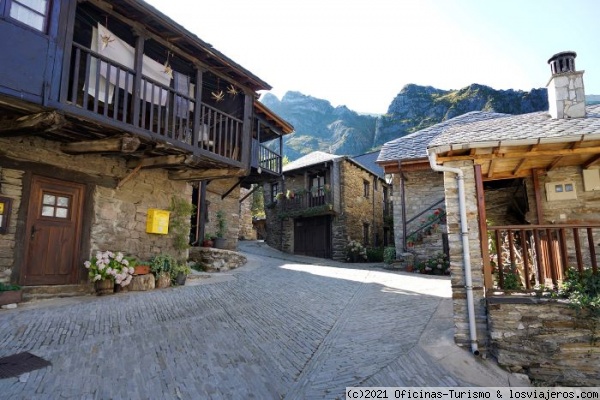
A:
[519,166]
[128,176]
[483,234]
[159,161]
[493,163]
[591,161]
[538,195]
[117,144]
[203,174]
[32,123]
[554,163]
[520,154]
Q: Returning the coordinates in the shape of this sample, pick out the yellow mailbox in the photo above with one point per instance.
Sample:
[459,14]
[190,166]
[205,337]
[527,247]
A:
[157,221]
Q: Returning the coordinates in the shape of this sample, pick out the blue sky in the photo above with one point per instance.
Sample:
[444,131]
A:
[360,53]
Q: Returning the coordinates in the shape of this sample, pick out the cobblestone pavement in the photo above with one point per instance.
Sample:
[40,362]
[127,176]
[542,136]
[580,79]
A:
[272,329]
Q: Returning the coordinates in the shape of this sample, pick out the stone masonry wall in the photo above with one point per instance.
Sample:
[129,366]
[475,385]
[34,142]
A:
[357,209]
[118,221]
[11,186]
[247,232]
[548,341]
[230,205]
[586,208]
[461,321]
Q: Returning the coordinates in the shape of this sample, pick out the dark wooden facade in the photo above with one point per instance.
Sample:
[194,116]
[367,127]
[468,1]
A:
[200,123]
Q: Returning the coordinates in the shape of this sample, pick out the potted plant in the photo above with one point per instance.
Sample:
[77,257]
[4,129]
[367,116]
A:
[179,273]
[208,241]
[10,294]
[107,269]
[161,266]
[220,240]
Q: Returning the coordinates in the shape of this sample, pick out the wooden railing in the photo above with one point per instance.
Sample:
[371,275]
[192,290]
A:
[104,88]
[265,158]
[525,257]
[308,200]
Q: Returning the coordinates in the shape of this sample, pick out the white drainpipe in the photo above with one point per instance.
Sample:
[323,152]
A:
[464,232]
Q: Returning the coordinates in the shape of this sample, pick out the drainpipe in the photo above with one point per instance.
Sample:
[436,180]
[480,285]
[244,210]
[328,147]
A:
[464,232]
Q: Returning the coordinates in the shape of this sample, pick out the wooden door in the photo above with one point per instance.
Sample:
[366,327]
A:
[53,232]
[312,236]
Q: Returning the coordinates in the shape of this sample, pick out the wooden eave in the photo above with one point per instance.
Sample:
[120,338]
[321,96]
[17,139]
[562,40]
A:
[398,166]
[267,114]
[169,33]
[517,161]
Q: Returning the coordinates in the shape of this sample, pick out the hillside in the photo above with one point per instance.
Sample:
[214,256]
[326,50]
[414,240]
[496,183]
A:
[339,130]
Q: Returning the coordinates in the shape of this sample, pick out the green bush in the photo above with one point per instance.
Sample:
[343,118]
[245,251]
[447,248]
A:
[582,291]
[5,287]
[436,265]
[389,255]
[375,254]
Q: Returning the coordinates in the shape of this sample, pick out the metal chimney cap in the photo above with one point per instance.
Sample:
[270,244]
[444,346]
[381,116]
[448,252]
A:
[562,54]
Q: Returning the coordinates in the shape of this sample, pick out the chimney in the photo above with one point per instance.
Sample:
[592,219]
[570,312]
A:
[566,96]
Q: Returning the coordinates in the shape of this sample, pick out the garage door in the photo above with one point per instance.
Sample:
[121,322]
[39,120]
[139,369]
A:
[312,236]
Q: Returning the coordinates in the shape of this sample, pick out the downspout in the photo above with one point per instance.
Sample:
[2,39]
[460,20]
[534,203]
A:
[464,232]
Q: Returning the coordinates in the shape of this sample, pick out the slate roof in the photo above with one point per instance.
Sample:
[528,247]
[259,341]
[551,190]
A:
[368,161]
[529,128]
[313,158]
[414,146]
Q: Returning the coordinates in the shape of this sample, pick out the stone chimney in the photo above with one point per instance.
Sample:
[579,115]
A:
[566,96]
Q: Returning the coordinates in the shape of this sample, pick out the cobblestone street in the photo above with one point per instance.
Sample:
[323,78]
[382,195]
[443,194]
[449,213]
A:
[272,329]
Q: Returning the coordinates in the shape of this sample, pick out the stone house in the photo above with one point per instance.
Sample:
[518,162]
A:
[522,202]
[108,110]
[322,202]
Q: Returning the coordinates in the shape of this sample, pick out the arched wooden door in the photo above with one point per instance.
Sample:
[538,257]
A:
[53,231]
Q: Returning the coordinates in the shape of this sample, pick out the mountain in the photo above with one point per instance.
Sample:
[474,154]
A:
[592,99]
[339,130]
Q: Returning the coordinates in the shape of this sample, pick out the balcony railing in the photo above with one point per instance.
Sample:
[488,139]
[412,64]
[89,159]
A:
[265,158]
[308,200]
[525,257]
[104,88]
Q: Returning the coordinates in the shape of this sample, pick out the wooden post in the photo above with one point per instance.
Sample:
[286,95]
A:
[538,196]
[487,268]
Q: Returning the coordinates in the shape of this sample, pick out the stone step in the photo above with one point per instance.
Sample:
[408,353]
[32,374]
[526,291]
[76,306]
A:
[43,292]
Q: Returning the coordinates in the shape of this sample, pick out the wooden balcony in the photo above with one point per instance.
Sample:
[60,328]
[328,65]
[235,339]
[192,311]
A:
[113,95]
[266,159]
[526,257]
[317,203]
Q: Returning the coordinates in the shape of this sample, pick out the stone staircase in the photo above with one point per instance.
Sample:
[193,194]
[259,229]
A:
[32,293]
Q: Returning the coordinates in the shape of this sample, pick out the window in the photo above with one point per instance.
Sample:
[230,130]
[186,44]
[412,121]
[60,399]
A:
[366,234]
[317,185]
[375,184]
[33,13]
[274,191]
[366,189]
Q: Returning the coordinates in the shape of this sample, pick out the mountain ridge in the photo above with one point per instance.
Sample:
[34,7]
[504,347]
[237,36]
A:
[341,131]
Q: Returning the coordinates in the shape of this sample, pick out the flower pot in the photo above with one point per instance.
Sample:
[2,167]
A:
[207,243]
[220,243]
[180,279]
[104,286]
[11,297]
[141,269]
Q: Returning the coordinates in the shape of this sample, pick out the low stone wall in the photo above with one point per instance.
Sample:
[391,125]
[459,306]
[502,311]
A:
[545,339]
[216,260]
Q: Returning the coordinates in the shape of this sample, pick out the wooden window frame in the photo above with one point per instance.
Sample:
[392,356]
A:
[46,14]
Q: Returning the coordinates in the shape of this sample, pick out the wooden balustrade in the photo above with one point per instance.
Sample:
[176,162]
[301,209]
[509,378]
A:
[104,89]
[308,200]
[523,257]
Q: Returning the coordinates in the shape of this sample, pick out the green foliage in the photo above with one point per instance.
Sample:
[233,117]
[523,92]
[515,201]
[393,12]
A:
[582,290]
[389,255]
[258,203]
[308,212]
[179,224]
[179,268]
[375,254]
[162,264]
[5,287]
[221,224]
[512,280]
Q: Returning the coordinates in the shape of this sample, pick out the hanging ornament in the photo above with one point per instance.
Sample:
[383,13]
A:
[168,70]
[232,90]
[218,96]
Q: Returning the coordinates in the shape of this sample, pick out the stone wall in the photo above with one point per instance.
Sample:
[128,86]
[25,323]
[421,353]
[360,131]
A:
[547,340]
[230,205]
[461,320]
[359,209]
[11,186]
[118,216]
[247,231]
[586,208]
